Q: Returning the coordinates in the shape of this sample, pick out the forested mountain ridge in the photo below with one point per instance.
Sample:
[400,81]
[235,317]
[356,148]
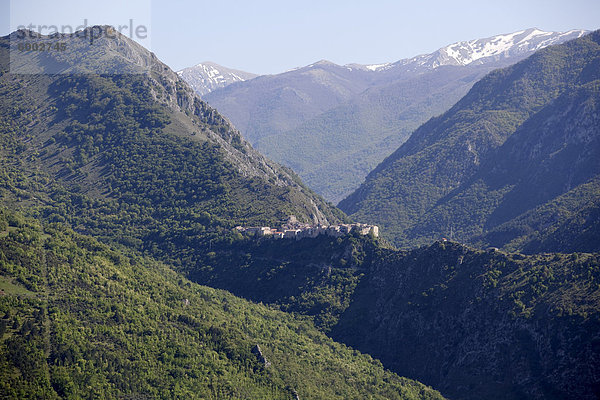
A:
[519,141]
[117,146]
[137,151]
[482,325]
[171,104]
[81,320]
[333,124]
[474,324]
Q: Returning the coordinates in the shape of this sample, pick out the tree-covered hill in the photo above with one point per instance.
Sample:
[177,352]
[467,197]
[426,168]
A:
[135,157]
[513,164]
[472,323]
[138,161]
[80,320]
[315,276]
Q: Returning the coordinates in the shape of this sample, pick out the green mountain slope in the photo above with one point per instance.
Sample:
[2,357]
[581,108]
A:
[519,140]
[79,320]
[138,161]
[140,164]
[315,277]
[137,158]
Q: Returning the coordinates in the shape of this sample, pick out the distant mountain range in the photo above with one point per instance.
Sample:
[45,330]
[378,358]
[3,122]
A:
[208,76]
[514,164]
[333,124]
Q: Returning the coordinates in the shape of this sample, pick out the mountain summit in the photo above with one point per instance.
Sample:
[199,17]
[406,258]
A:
[143,139]
[208,76]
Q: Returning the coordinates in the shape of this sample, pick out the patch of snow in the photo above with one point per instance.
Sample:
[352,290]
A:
[376,67]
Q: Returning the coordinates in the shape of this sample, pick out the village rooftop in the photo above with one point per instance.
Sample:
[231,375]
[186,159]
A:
[299,231]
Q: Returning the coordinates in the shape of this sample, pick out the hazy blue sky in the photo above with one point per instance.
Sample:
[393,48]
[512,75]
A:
[268,36]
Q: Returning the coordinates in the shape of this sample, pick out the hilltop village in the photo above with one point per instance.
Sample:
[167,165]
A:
[292,229]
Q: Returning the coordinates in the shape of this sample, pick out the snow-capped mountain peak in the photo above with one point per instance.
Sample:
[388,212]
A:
[369,67]
[480,51]
[523,41]
[496,47]
[208,76]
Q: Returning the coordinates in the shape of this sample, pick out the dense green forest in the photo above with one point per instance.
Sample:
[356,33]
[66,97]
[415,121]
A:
[513,164]
[146,167]
[312,276]
[80,320]
[482,324]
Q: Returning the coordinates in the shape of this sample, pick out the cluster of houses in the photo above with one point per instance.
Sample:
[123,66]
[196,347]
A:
[295,230]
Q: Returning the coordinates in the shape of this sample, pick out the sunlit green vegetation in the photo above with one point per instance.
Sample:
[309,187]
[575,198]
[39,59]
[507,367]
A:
[96,323]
